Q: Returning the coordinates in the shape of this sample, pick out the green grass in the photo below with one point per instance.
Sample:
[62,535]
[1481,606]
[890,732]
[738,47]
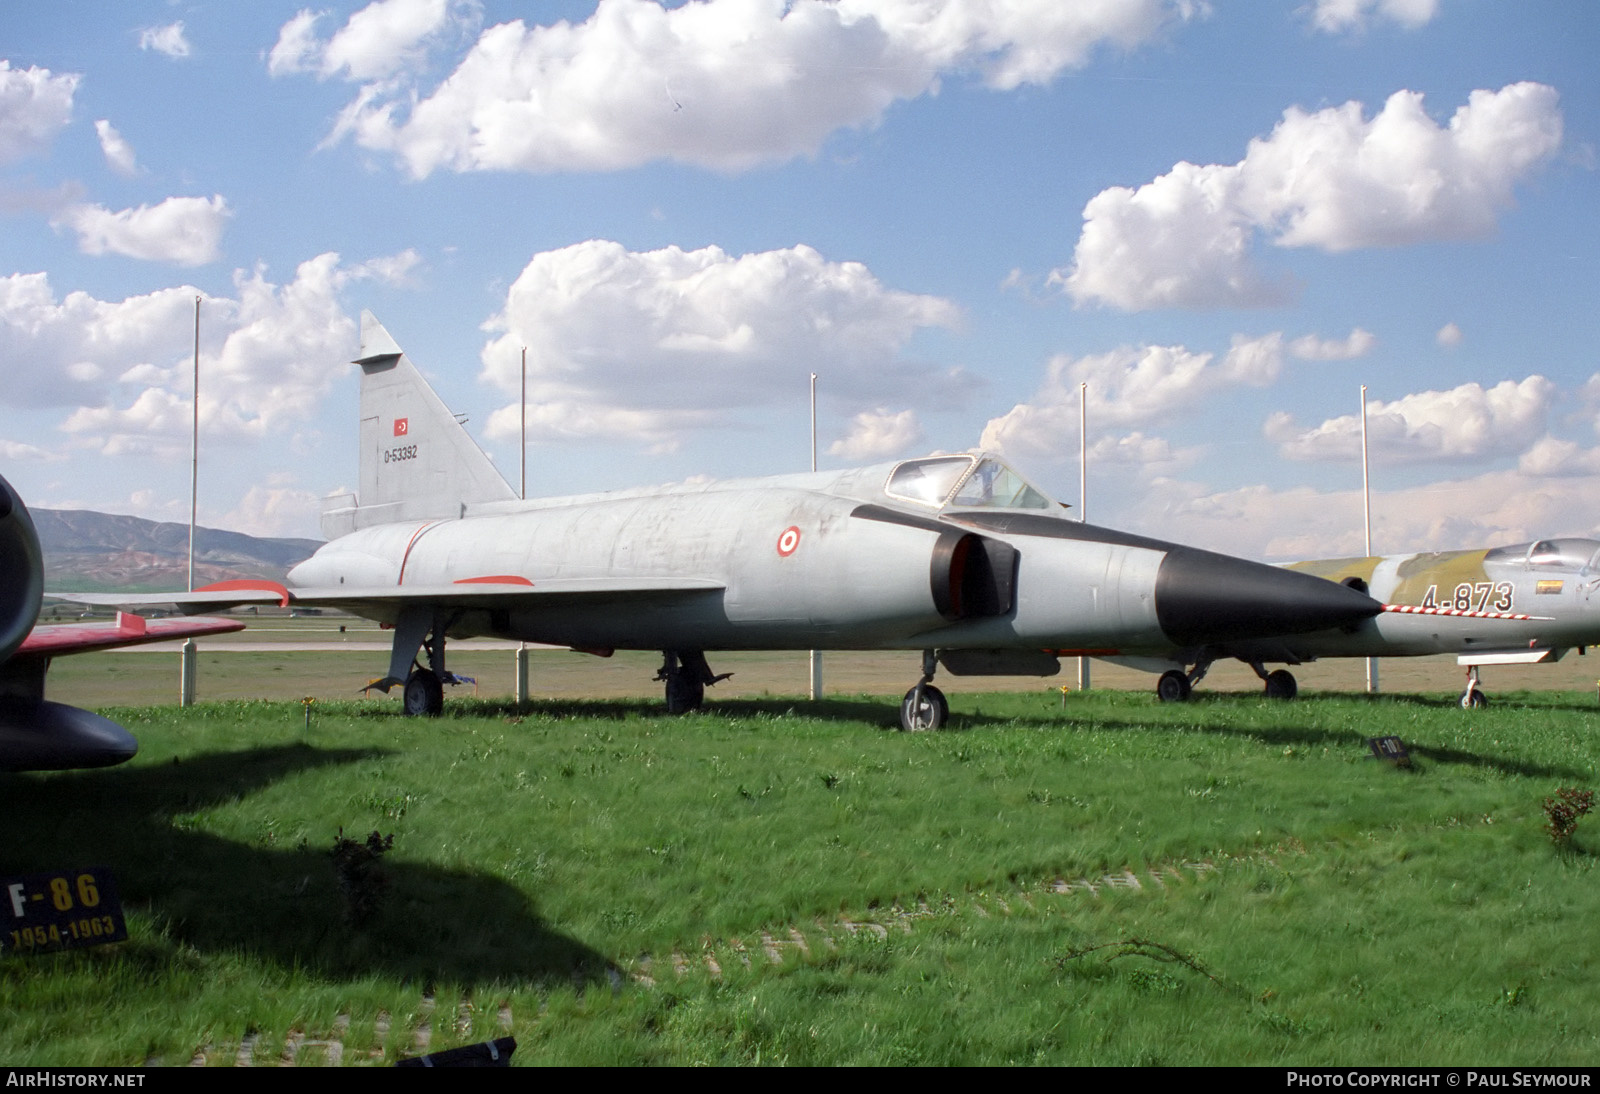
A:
[572,874]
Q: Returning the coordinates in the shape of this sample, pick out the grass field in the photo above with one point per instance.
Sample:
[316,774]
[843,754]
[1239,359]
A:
[1092,878]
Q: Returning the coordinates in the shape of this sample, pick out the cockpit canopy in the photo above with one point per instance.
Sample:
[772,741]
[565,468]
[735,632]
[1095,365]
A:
[1550,554]
[964,482]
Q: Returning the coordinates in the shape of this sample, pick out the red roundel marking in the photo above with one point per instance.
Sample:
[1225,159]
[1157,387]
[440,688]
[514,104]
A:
[788,540]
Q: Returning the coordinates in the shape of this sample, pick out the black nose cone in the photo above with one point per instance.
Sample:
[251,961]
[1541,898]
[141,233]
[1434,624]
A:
[1203,597]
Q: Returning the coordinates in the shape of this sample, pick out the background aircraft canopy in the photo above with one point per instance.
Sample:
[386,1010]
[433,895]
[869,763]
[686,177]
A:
[968,482]
[1554,554]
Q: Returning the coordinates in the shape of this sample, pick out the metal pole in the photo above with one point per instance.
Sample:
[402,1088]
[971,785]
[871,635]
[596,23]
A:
[1083,495]
[816,655]
[190,663]
[813,421]
[194,446]
[1366,522]
[524,423]
[521,673]
[1083,452]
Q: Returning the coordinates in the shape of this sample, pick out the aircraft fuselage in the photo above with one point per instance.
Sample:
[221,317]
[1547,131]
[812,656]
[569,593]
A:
[821,561]
[1539,596]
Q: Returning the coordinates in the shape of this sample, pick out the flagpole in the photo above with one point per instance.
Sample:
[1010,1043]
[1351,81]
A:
[194,445]
[816,655]
[1083,495]
[190,662]
[1366,521]
[524,423]
[521,673]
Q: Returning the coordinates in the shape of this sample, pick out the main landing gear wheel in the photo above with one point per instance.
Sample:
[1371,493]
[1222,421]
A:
[1281,685]
[424,694]
[929,711]
[684,693]
[1173,687]
[1473,699]
[687,676]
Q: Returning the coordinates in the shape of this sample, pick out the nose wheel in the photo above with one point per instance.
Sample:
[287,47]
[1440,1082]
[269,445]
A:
[924,707]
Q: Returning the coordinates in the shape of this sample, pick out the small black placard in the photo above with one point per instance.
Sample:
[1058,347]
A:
[1390,748]
[41,913]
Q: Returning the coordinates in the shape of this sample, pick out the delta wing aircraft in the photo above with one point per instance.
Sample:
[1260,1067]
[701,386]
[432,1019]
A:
[37,735]
[956,556]
[1519,605]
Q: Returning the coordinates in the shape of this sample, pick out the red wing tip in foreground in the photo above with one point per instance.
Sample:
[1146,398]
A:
[53,640]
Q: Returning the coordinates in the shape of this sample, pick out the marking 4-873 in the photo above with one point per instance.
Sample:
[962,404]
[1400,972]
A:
[1474,597]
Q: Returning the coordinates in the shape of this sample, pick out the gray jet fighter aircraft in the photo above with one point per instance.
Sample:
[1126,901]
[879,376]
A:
[1520,605]
[954,556]
[35,734]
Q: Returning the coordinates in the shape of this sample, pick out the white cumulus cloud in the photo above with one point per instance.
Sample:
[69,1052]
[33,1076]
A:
[1128,386]
[395,269]
[268,354]
[17,451]
[183,231]
[168,40]
[117,151]
[35,105]
[1552,457]
[650,344]
[1469,422]
[657,431]
[719,83]
[1490,509]
[271,510]
[878,434]
[1139,450]
[376,43]
[1332,179]
[1358,343]
[1339,16]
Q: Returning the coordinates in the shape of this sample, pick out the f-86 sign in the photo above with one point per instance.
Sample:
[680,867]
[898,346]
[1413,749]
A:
[60,911]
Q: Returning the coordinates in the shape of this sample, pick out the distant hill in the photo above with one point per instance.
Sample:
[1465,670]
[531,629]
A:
[89,552]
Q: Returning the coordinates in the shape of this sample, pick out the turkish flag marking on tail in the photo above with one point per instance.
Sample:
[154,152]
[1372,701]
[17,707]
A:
[402,426]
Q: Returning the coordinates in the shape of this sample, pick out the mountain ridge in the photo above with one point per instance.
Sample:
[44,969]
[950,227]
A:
[88,551]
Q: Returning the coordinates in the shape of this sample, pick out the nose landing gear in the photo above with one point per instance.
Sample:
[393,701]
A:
[924,707]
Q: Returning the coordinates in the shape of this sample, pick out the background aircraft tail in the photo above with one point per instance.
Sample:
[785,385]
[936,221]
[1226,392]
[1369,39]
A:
[417,461]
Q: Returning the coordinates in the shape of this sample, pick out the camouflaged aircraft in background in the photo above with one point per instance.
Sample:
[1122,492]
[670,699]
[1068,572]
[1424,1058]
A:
[1519,605]
[955,556]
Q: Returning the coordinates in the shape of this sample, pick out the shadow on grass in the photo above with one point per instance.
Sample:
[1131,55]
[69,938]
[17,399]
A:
[877,713]
[1304,735]
[884,714]
[1533,700]
[281,904]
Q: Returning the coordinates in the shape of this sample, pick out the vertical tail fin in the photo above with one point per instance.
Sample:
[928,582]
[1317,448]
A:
[417,461]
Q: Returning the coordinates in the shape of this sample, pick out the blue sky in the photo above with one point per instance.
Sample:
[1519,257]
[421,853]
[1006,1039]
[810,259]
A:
[1224,218]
